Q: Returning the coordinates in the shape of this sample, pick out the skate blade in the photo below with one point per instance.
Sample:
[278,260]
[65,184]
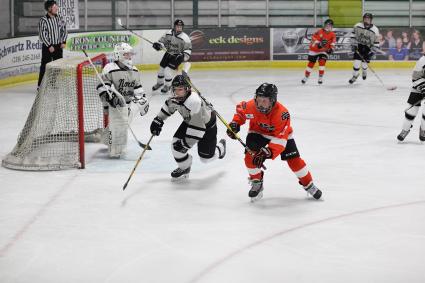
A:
[181,178]
[257,198]
[312,198]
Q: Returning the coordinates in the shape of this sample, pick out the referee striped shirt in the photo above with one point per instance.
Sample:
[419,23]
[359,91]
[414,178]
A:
[52,30]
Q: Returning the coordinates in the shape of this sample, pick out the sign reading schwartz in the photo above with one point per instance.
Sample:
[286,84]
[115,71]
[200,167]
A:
[22,55]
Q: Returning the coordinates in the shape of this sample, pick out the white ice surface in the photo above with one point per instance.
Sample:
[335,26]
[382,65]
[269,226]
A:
[79,226]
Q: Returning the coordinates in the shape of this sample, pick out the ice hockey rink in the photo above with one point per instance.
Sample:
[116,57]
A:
[79,226]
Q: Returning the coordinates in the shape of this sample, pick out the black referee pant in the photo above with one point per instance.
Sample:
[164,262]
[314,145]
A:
[47,57]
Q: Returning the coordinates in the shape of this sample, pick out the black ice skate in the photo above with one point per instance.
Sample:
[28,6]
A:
[364,74]
[157,86]
[222,149]
[403,134]
[313,191]
[304,80]
[256,191]
[165,89]
[180,173]
[421,134]
[320,81]
[353,79]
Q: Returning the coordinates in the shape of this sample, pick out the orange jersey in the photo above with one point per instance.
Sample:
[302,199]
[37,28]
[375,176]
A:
[276,125]
[327,40]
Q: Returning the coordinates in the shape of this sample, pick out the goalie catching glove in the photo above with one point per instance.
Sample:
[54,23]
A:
[261,156]
[235,129]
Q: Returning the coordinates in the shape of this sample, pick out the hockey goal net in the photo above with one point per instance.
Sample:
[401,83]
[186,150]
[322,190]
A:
[66,112]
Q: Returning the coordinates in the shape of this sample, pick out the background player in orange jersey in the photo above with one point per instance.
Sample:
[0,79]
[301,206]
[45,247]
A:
[322,44]
[270,135]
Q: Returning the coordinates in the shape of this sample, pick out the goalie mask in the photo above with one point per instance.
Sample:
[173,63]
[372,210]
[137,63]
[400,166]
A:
[180,88]
[124,53]
[265,97]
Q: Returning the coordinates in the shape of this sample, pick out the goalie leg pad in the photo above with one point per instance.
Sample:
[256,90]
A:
[117,131]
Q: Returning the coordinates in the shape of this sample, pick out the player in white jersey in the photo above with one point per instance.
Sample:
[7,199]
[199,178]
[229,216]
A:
[198,127]
[364,43]
[417,95]
[122,96]
[178,49]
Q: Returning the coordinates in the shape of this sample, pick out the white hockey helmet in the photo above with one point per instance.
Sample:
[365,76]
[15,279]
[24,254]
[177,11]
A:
[123,52]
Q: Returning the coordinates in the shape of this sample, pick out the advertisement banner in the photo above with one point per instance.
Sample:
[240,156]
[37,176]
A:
[22,55]
[395,44]
[293,43]
[230,44]
[19,56]
[68,9]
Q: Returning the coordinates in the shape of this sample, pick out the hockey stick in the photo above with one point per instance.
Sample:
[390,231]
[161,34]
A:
[136,34]
[220,117]
[137,163]
[142,145]
[393,87]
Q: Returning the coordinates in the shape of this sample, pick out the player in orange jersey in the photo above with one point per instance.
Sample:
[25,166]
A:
[270,135]
[322,44]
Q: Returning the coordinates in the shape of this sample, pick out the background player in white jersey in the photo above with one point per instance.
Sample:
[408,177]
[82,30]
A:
[364,43]
[198,127]
[123,96]
[417,95]
[178,49]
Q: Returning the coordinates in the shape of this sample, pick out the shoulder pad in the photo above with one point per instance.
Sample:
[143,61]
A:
[193,102]
[110,67]
[184,37]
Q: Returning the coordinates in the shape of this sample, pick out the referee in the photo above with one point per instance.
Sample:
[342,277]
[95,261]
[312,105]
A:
[52,33]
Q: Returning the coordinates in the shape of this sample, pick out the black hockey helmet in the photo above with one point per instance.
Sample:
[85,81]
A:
[328,22]
[48,4]
[178,22]
[180,81]
[368,15]
[269,91]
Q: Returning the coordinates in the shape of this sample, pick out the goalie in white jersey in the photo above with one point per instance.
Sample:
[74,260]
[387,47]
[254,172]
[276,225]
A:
[364,43]
[417,95]
[178,49]
[198,127]
[122,96]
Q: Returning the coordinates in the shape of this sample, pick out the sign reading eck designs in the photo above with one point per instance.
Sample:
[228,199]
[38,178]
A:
[230,44]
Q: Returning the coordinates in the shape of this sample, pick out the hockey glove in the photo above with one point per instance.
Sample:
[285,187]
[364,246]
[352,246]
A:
[157,46]
[179,146]
[322,44]
[235,129]
[354,48]
[115,101]
[261,156]
[179,58]
[156,126]
[142,103]
[329,51]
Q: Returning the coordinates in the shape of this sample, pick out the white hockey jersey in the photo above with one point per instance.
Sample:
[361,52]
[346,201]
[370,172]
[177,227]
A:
[177,43]
[418,76]
[367,36]
[124,80]
[195,113]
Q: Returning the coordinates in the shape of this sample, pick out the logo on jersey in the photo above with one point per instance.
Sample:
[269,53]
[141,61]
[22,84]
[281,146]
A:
[285,116]
[249,116]
[267,127]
